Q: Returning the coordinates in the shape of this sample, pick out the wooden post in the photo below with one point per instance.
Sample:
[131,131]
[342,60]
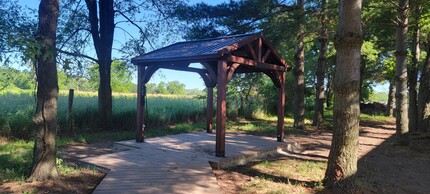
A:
[69,116]
[140,113]
[221,109]
[281,108]
[210,106]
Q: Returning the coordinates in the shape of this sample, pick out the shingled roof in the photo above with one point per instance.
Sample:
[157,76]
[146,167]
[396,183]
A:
[205,49]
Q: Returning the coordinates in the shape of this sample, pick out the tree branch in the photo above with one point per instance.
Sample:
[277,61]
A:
[72,35]
[78,55]
[138,27]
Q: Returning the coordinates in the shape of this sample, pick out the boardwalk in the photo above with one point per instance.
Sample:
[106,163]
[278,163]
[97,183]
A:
[177,163]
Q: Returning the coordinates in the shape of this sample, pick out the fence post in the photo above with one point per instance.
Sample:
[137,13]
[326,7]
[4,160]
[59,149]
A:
[69,117]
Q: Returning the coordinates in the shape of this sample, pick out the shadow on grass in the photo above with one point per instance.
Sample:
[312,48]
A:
[260,127]
[252,172]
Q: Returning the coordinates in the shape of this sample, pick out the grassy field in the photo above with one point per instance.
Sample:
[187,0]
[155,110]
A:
[17,108]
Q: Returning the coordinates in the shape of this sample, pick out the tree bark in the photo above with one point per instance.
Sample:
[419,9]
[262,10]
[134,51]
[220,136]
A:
[413,72]
[329,90]
[102,31]
[342,161]
[390,103]
[45,118]
[299,72]
[322,60]
[424,95]
[402,121]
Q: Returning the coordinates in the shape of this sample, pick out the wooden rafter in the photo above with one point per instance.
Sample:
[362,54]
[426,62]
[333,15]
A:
[252,63]
[148,73]
[231,70]
[275,53]
[266,54]
[251,51]
[211,71]
[188,69]
[237,45]
[259,50]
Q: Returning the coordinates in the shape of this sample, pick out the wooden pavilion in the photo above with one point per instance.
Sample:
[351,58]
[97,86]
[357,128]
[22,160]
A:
[221,58]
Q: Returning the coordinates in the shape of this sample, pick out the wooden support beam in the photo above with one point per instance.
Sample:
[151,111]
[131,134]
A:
[275,79]
[266,54]
[147,74]
[210,109]
[140,113]
[206,79]
[211,71]
[260,65]
[221,108]
[273,50]
[235,46]
[281,108]
[259,49]
[231,70]
[251,51]
[188,69]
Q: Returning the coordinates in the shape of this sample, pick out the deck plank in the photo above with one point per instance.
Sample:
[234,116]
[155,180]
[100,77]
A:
[174,164]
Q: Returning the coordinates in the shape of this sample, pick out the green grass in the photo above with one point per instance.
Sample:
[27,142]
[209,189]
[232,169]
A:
[17,109]
[381,97]
[283,176]
[15,160]
[375,118]
[262,125]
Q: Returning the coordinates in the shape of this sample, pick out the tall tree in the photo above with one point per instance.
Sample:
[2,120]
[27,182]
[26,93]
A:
[299,70]
[390,102]
[342,161]
[402,121]
[424,95]
[45,118]
[322,59]
[413,68]
[101,20]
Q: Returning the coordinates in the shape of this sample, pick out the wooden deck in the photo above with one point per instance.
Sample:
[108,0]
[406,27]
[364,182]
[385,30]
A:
[176,163]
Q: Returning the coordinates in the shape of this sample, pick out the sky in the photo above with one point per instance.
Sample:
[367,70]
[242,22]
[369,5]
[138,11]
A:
[191,80]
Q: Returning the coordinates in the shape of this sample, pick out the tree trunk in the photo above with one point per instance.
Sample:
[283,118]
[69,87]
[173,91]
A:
[342,161]
[45,118]
[402,125]
[102,35]
[322,60]
[299,72]
[69,116]
[362,68]
[413,72]
[390,103]
[424,95]
[329,90]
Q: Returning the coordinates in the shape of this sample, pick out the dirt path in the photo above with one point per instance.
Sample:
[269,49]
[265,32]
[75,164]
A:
[382,167]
